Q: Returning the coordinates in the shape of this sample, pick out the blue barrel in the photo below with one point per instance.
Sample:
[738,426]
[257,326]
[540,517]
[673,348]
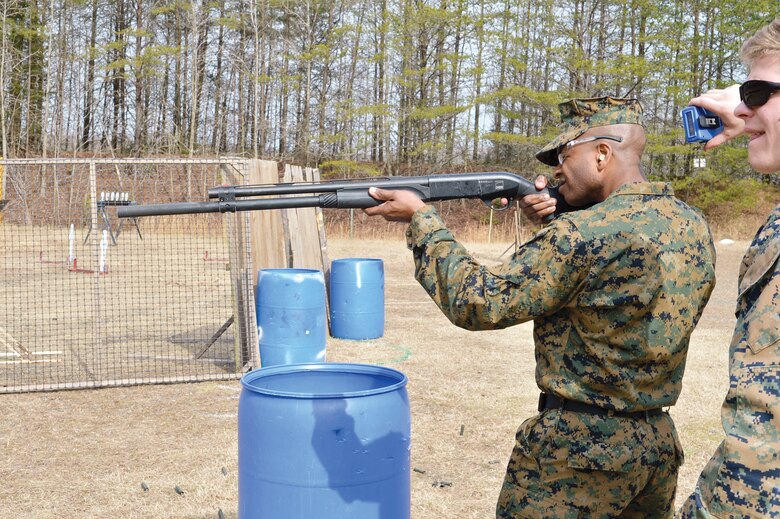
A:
[357,298]
[325,441]
[291,316]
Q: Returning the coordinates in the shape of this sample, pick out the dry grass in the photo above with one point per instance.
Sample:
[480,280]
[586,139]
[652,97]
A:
[86,453]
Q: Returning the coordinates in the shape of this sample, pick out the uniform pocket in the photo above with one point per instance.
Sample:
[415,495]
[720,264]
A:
[604,443]
[762,330]
[533,438]
[755,423]
[762,335]
[605,456]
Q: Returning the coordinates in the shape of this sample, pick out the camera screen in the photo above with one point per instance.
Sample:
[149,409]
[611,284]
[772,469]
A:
[689,117]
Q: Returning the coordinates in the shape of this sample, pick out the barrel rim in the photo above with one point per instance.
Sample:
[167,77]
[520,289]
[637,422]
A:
[344,367]
[355,260]
[295,270]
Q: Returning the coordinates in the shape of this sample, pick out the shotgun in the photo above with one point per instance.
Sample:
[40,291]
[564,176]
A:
[492,188]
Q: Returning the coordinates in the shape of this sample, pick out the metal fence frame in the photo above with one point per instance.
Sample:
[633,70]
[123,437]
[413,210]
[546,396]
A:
[241,276]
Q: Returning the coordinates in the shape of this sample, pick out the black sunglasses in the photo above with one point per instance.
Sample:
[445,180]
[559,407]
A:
[757,92]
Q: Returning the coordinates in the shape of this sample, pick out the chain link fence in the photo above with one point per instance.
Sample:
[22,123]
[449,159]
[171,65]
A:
[91,300]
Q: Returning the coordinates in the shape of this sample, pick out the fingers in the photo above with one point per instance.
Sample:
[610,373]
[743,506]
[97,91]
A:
[380,194]
[531,200]
[398,205]
[723,103]
[377,194]
[537,207]
[540,182]
[716,141]
[543,212]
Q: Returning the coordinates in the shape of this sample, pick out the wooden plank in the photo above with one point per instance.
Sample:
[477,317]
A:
[304,225]
[7,340]
[295,220]
[267,230]
[314,176]
[309,254]
[268,247]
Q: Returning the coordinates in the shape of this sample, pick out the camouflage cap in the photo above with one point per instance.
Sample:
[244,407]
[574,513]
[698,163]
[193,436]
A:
[579,115]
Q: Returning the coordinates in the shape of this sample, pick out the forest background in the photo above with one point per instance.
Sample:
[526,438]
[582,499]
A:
[363,88]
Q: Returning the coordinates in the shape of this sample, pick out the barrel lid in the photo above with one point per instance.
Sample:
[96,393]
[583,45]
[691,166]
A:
[324,380]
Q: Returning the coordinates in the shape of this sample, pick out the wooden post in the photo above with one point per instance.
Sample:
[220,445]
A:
[305,226]
[267,242]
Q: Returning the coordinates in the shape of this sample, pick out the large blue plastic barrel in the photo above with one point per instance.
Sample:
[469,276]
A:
[291,316]
[324,441]
[357,298]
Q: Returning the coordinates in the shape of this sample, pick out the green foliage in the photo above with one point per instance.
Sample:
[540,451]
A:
[406,84]
[512,138]
[434,112]
[709,190]
[347,169]
[521,93]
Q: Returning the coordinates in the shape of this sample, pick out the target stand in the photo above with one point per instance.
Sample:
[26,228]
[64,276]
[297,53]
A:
[114,199]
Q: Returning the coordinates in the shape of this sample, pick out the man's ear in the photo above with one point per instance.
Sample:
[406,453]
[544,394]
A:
[604,154]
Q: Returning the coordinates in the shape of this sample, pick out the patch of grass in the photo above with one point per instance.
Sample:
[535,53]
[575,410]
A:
[731,205]
[708,191]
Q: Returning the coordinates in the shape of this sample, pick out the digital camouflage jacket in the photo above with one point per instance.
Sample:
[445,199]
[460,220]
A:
[743,477]
[614,290]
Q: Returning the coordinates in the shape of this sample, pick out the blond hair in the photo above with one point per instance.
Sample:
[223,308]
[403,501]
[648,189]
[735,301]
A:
[763,44]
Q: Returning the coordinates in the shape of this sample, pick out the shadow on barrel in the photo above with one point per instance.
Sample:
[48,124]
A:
[325,441]
[369,473]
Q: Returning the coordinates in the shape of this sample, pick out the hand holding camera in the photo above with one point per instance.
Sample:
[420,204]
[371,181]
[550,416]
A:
[720,102]
[700,124]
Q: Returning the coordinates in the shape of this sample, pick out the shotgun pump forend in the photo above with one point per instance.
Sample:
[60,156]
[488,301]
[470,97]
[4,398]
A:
[351,194]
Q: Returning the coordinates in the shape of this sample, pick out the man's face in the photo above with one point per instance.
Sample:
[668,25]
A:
[762,123]
[578,181]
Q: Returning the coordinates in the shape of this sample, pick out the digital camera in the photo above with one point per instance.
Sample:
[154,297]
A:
[700,125]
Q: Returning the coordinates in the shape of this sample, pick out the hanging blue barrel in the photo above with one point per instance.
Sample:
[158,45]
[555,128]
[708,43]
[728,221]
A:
[325,441]
[291,316]
[357,298]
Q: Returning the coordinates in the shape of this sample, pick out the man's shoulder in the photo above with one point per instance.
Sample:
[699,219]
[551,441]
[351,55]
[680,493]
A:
[640,212]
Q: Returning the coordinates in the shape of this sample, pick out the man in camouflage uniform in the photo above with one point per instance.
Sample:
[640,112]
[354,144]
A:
[614,290]
[742,480]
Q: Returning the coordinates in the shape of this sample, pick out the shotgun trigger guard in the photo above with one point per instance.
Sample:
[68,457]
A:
[495,204]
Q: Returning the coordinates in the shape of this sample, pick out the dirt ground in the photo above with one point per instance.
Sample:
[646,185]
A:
[170,451]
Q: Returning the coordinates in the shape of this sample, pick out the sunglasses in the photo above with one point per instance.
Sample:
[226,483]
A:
[569,145]
[756,92]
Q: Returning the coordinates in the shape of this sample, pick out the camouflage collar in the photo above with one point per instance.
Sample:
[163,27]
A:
[645,188]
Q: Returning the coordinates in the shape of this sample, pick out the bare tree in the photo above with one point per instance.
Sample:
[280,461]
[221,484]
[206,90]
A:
[5,8]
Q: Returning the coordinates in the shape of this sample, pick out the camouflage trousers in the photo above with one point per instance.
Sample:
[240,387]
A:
[570,465]
[726,488]
[694,508]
